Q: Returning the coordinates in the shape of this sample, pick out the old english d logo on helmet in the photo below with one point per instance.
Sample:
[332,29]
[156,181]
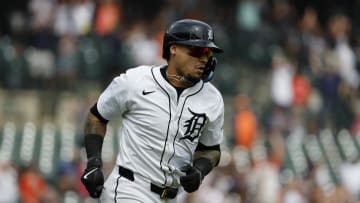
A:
[210,34]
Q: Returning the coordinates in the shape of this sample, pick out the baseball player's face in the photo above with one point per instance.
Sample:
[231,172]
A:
[190,61]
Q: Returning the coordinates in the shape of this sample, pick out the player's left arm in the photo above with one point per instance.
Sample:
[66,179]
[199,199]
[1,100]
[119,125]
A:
[205,159]
[207,153]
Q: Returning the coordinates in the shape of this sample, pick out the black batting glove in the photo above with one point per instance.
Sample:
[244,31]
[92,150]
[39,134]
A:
[195,174]
[191,182]
[93,178]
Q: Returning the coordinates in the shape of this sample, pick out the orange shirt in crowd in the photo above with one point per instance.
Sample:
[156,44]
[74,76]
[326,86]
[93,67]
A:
[245,128]
[32,187]
[301,90]
[107,18]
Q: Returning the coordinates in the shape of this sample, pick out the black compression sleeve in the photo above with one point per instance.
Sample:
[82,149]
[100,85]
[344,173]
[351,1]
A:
[202,147]
[93,145]
[96,113]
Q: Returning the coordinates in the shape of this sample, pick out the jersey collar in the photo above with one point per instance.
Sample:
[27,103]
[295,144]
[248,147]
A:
[168,87]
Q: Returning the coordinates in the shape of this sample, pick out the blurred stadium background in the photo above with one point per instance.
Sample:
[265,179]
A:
[289,76]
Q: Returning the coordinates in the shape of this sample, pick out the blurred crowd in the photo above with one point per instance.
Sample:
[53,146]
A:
[289,76]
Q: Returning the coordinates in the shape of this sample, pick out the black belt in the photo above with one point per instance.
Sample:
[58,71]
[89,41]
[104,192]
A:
[164,192]
[126,173]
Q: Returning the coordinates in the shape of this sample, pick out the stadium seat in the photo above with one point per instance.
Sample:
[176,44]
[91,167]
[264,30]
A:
[27,146]
[47,150]
[67,142]
[296,155]
[8,141]
[346,145]
[331,153]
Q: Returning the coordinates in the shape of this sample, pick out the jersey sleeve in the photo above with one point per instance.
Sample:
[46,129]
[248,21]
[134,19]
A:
[113,100]
[214,130]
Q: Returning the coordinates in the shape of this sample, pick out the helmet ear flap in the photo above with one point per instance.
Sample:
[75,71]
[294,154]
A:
[166,46]
[169,39]
[209,69]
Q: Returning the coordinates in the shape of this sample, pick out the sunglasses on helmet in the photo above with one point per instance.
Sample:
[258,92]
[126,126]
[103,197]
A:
[198,52]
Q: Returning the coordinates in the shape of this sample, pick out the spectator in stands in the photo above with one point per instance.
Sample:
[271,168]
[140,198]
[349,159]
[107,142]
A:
[32,185]
[67,62]
[15,67]
[8,183]
[301,93]
[281,81]
[264,176]
[67,174]
[328,83]
[107,17]
[41,21]
[339,27]
[355,126]
[337,78]
[301,89]
[245,125]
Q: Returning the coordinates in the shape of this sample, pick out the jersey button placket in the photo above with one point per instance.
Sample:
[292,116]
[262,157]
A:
[169,148]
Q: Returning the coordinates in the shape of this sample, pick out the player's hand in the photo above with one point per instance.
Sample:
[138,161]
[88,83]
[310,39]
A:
[192,180]
[93,178]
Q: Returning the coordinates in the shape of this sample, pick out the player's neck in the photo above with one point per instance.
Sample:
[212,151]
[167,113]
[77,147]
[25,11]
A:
[177,80]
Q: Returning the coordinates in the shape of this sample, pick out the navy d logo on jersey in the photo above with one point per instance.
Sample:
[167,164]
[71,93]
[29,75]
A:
[194,125]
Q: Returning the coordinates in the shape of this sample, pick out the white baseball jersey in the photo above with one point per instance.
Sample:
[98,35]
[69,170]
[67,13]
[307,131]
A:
[160,131]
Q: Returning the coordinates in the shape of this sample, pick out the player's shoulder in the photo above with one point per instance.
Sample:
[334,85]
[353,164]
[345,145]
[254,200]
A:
[211,91]
[210,88]
[135,74]
[139,70]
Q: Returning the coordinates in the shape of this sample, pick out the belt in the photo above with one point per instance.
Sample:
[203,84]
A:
[126,173]
[164,192]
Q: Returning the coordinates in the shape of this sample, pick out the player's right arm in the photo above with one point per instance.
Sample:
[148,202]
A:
[95,125]
[111,102]
[95,130]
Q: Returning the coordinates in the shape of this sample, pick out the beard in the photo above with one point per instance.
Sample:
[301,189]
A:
[192,79]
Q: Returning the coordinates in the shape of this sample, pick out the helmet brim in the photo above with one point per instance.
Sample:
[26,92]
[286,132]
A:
[201,43]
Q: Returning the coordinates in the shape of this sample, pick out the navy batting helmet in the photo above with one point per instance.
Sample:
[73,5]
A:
[189,32]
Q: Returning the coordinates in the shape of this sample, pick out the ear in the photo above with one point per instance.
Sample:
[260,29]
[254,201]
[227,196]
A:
[172,49]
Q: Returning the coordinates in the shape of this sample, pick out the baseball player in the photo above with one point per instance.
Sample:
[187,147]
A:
[172,122]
